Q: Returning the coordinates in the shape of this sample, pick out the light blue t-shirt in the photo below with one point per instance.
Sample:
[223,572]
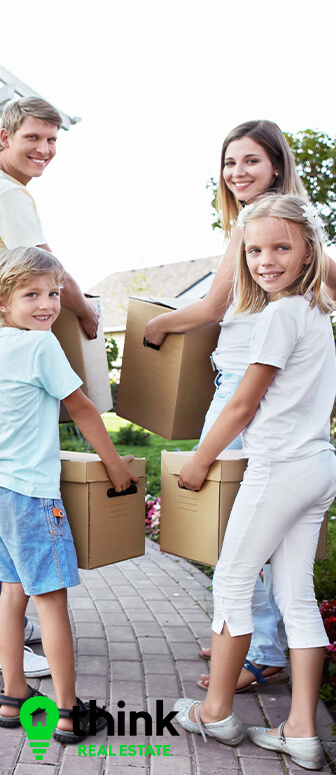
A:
[34,376]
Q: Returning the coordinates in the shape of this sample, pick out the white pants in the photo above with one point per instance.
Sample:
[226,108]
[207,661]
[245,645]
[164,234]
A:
[277,513]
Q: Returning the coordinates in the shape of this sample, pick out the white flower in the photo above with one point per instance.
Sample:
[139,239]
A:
[242,216]
[311,213]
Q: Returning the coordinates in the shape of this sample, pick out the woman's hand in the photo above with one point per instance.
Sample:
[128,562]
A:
[192,475]
[155,332]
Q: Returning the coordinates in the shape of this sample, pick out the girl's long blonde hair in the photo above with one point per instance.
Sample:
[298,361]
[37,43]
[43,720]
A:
[270,137]
[249,296]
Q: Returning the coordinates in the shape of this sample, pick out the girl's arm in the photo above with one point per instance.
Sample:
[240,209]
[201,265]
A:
[235,416]
[205,311]
[89,422]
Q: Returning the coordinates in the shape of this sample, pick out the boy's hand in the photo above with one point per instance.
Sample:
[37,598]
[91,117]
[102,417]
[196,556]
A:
[192,475]
[121,475]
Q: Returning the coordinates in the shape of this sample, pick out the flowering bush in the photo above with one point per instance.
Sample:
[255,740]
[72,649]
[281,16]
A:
[153,506]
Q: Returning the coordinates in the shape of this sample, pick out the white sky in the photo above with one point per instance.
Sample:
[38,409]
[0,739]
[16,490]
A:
[158,86]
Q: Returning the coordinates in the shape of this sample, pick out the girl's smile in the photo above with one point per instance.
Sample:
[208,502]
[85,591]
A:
[248,171]
[276,252]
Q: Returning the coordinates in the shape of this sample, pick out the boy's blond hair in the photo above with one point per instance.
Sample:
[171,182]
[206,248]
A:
[33,107]
[19,266]
[272,140]
[287,207]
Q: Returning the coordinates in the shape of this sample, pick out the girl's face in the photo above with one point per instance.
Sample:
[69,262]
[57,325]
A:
[248,171]
[276,252]
[33,307]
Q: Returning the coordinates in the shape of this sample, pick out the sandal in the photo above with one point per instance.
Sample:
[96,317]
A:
[65,736]
[275,679]
[17,702]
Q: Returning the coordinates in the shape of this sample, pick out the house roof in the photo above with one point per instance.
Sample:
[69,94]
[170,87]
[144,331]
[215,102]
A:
[166,280]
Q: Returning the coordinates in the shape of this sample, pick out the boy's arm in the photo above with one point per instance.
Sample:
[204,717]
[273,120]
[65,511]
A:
[205,311]
[235,416]
[90,423]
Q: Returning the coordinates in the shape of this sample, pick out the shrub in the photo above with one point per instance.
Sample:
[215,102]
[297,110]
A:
[130,435]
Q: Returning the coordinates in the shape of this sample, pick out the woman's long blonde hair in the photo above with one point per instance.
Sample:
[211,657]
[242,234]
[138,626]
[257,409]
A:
[270,137]
[249,296]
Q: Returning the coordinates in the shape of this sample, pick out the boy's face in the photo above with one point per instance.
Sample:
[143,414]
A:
[33,307]
[27,153]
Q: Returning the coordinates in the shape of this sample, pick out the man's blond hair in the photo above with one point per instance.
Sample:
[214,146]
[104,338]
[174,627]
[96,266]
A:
[33,107]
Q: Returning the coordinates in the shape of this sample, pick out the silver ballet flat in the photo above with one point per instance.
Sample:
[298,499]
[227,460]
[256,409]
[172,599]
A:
[229,731]
[305,751]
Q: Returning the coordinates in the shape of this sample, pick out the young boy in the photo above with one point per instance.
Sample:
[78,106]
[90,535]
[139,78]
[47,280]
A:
[37,555]
[28,135]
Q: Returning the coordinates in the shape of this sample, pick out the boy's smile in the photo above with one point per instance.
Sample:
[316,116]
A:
[276,252]
[27,153]
[33,307]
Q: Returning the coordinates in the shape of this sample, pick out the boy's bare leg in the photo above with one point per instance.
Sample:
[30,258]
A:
[58,648]
[13,603]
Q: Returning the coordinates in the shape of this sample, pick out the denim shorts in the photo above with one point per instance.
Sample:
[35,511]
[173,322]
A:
[36,545]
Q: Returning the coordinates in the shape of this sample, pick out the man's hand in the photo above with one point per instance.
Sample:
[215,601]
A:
[120,474]
[192,475]
[90,320]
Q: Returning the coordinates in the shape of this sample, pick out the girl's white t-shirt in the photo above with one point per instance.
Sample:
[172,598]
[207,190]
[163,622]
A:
[293,418]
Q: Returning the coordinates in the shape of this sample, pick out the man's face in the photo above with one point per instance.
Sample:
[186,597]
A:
[27,153]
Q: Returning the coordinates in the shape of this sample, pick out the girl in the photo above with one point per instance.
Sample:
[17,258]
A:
[283,406]
[255,159]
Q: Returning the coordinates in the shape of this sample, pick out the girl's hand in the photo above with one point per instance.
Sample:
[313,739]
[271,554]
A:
[121,475]
[154,332]
[192,475]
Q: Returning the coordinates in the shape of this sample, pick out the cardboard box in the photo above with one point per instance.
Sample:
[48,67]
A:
[106,526]
[168,391]
[193,524]
[87,358]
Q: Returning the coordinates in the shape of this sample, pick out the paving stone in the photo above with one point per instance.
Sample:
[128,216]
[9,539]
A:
[119,634]
[162,686]
[127,670]
[178,634]
[153,663]
[262,766]
[120,651]
[96,646]
[10,746]
[92,686]
[89,629]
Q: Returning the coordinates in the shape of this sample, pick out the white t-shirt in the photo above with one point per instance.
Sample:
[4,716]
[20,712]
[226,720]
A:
[19,220]
[293,418]
[34,376]
[232,351]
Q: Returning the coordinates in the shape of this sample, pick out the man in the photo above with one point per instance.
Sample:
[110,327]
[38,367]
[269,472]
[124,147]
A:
[28,135]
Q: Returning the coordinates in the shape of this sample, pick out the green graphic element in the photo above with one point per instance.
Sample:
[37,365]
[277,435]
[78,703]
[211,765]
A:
[39,731]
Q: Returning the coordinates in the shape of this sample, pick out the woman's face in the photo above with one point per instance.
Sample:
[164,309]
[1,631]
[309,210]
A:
[248,171]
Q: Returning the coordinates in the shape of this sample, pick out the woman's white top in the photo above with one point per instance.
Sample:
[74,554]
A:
[232,351]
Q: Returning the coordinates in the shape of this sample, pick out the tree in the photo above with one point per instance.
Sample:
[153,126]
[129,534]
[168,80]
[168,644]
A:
[315,157]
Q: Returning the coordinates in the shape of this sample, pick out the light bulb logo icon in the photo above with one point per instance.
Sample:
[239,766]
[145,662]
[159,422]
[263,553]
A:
[38,732]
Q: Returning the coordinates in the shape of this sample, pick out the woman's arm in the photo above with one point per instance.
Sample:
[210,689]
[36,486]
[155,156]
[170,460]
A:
[90,423]
[235,416]
[205,311]
[330,285]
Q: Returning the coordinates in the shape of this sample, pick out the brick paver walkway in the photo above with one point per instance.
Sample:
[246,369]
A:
[138,626]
